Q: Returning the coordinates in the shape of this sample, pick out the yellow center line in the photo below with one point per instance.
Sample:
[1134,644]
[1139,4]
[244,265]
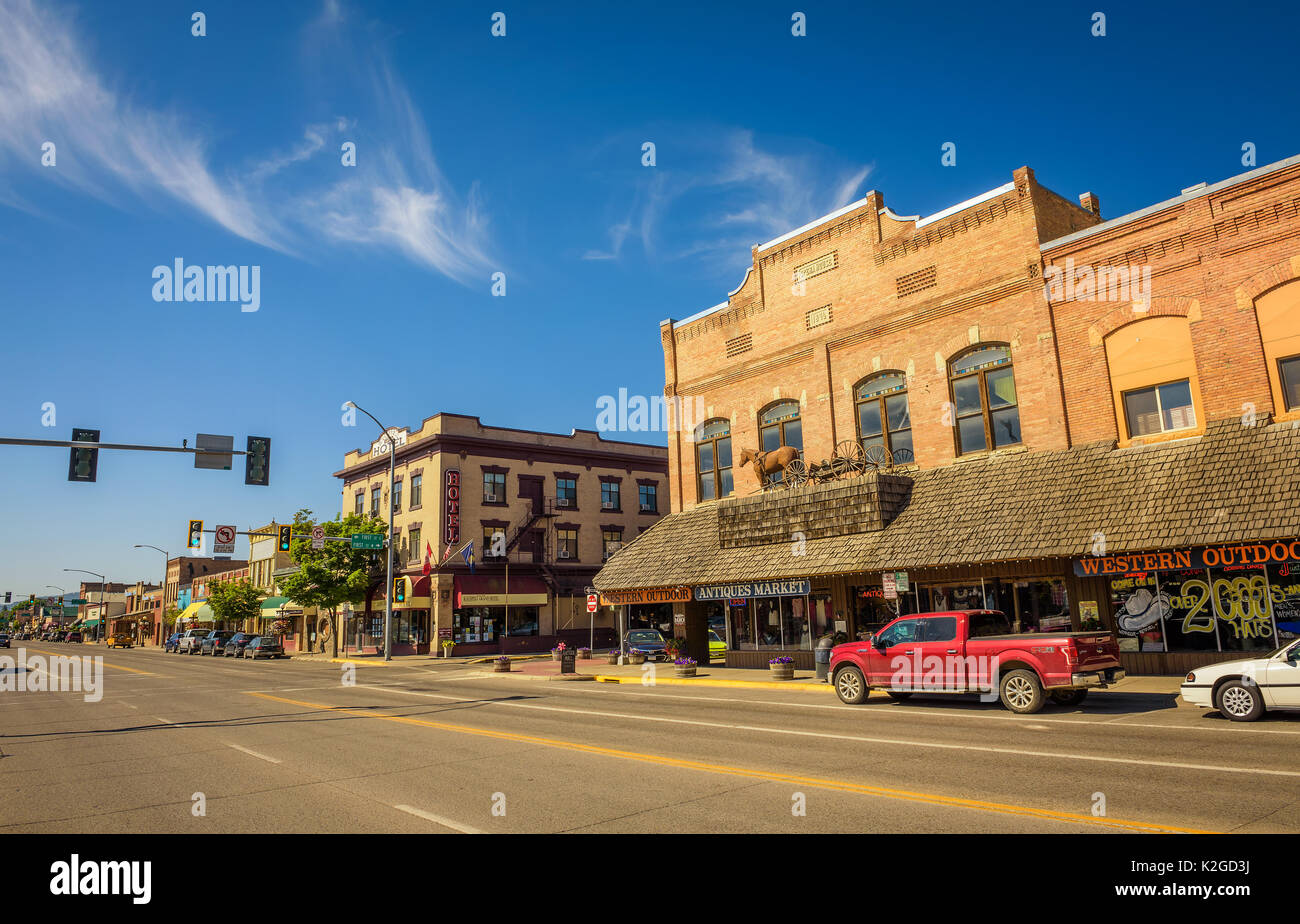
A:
[767,775]
[115,667]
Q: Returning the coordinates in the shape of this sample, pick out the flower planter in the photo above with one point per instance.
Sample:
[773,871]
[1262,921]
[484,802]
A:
[684,671]
[584,654]
[501,667]
[637,658]
[612,658]
[782,671]
[557,655]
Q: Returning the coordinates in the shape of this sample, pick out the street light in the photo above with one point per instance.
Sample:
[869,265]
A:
[100,624]
[388,586]
[167,557]
[62,591]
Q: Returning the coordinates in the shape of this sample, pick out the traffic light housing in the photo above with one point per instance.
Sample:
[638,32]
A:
[257,463]
[399,590]
[195,540]
[83,463]
[286,537]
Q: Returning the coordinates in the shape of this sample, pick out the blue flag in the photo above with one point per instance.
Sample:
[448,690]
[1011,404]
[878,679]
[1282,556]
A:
[467,553]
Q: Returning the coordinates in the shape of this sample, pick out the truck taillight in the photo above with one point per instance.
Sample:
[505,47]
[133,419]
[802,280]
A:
[1071,654]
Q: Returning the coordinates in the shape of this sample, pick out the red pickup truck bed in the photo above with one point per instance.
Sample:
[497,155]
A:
[970,652]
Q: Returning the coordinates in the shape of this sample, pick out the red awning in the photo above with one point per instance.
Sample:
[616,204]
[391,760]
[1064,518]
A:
[490,590]
[420,587]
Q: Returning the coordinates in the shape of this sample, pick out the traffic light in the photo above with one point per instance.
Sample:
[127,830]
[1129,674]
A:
[257,464]
[286,535]
[399,590]
[9,596]
[195,540]
[83,463]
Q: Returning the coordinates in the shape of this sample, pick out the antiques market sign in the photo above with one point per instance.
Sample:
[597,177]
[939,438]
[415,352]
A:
[753,589]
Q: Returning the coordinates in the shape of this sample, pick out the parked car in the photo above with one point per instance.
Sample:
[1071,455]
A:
[190,641]
[4,640]
[120,640]
[214,641]
[234,646]
[975,652]
[1244,690]
[650,642]
[72,637]
[264,646]
[172,643]
[717,646]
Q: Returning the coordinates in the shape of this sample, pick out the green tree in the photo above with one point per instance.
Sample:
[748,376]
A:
[337,574]
[234,602]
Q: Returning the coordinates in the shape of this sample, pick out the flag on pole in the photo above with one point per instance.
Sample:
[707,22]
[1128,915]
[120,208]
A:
[447,554]
[428,557]
[467,553]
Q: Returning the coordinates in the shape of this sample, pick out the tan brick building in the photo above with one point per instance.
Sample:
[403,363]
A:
[543,509]
[1009,369]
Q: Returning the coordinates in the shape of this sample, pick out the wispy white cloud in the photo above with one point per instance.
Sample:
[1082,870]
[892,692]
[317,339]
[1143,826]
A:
[108,147]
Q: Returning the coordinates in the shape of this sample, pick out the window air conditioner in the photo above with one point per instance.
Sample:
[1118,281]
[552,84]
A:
[564,553]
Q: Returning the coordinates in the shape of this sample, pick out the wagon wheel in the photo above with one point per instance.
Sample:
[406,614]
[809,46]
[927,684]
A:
[876,457]
[903,457]
[795,473]
[851,452]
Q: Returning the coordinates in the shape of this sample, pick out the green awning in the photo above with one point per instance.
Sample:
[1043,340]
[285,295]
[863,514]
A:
[274,603]
[90,622]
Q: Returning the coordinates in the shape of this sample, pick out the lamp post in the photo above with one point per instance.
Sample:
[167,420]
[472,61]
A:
[102,608]
[388,587]
[62,591]
[167,557]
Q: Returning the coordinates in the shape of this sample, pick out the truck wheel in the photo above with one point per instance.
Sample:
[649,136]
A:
[1069,697]
[1021,692]
[850,686]
[899,695]
[1240,702]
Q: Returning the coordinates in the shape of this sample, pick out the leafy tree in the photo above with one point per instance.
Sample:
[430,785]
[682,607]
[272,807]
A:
[234,602]
[337,574]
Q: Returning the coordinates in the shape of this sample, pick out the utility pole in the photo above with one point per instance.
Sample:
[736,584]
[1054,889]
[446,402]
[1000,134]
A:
[388,585]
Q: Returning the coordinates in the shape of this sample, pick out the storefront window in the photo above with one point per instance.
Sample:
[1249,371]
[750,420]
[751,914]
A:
[1241,603]
[523,620]
[1284,593]
[960,597]
[1042,606]
[1140,610]
[742,635]
[1219,609]
[822,616]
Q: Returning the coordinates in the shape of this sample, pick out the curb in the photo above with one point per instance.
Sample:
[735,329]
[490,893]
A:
[723,684]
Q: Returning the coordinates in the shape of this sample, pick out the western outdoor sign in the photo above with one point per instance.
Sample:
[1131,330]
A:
[753,589]
[1211,556]
[651,595]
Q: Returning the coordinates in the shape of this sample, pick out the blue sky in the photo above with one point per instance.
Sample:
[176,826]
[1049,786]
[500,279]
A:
[520,155]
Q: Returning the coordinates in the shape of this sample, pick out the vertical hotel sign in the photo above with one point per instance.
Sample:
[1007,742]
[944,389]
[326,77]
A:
[451,507]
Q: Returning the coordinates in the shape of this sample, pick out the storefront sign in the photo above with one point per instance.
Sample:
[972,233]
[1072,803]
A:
[890,586]
[384,445]
[451,507]
[1214,556]
[900,578]
[753,589]
[651,595]
[444,633]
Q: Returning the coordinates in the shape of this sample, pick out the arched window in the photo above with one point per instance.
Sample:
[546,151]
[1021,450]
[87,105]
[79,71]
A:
[713,459]
[883,415]
[1152,369]
[779,425]
[1278,313]
[984,399]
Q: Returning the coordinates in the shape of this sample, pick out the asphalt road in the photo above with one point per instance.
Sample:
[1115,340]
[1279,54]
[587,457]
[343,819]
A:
[286,746]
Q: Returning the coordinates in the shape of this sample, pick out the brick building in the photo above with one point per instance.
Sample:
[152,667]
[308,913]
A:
[996,404]
[543,511]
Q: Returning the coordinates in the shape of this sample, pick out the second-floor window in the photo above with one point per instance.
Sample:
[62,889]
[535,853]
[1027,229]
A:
[494,542]
[883,416]
[1289,374]
[566,544]
[417,490]
[611,540]
[713,459]
[984,399]
[566,492]
[374,501]
[647,498]
[494,488]
[360,507]
[1160,408]
[609,495]
[780,425]
[397,496]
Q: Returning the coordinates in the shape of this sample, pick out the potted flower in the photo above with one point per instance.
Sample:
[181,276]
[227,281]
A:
[684,667]
[611,656]
[557,653]
[501,665]
[676,647]
[782,667]
[584,654]
[447,646]
[635,656]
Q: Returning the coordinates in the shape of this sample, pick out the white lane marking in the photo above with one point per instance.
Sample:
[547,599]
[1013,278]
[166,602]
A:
[272,760]
[437,819]
[932,712]
[900,742]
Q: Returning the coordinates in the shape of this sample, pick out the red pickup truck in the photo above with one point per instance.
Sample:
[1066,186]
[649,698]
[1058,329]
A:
[975,652]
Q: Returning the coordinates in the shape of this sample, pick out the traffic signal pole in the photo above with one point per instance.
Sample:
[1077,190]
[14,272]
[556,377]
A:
[388,594]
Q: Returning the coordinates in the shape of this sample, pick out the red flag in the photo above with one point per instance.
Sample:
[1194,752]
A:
[428,557]
[447,554]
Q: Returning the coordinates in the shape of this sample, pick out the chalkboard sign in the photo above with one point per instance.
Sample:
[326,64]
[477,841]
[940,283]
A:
[568,661]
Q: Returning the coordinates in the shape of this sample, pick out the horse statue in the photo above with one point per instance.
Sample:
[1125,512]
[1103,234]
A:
[768,462]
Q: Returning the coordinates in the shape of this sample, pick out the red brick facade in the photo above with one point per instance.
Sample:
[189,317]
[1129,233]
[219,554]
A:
[910,295]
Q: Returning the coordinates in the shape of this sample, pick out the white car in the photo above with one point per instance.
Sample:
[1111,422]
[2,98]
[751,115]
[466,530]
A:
[1244,690]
